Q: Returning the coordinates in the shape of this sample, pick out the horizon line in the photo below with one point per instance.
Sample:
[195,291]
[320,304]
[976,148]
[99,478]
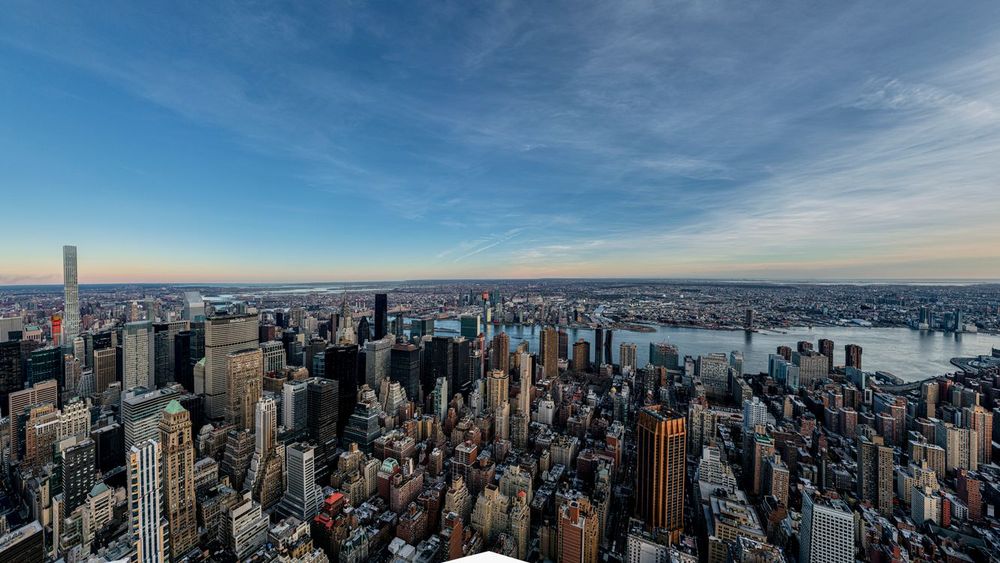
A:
[891,281]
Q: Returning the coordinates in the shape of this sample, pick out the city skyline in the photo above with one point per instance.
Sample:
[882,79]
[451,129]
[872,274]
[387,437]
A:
[437,141]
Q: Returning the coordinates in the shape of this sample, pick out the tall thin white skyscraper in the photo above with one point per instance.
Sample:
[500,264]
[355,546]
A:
[71,294]
[146,524]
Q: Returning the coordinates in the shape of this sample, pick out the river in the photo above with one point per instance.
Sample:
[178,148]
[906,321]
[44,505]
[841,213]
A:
[909,354]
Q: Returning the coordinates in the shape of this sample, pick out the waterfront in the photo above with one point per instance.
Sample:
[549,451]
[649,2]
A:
[909,354]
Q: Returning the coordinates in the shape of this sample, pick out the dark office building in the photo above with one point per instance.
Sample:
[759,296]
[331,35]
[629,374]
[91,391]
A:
[341,365]
[265,333]
[461,379]
[47,363]
[364,331]
[24,545]
[607,348]
[381,316]
[322,407]
[598,346]
[563,345]
[281,319]
[437,362]
[76,472]
[420,328]
[404,367]
[315,347]
[293,348]
[197,341]
[183,366]
[109,442]
[803,346]
[12,376]
[195,405]
[103,340]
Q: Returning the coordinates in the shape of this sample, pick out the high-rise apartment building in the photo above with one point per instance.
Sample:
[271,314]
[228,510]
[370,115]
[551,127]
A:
[852,356]
[875,470]
[500,352]
[579,532]
[581,355]
[627,357]
[497,389]
[661,440]
[826,533]
[146,526]
[177,453]
[549,344]
[43,392]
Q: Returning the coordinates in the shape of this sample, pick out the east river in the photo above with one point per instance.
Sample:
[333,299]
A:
[909,354]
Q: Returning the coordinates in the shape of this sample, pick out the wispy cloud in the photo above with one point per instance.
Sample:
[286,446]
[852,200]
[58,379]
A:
[602,137]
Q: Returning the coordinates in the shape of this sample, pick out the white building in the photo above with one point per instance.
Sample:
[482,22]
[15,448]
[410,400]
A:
[146,525]
[71,294]
[925,504]
[826,533]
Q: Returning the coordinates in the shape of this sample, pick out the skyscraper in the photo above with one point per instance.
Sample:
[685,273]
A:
[223,335]
[302,494]
[852,356]
[607,347]
[341,365]
[145,503]
[404,367]
[138,355]
[381,315]
[471,326]
[244,385]
[875,471]
[826,534]
[497,389]
[550,352]
[71,295]
[178,478]
[105,369]
[826,347]
[627,356]
[598,347]
[660,472]
[579,532]
[581,355]
[194,306]
[500,352]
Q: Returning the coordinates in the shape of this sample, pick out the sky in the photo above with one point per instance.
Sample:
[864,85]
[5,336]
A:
[336,141]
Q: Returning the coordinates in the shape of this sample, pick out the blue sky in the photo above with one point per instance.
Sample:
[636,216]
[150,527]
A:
[373,140]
